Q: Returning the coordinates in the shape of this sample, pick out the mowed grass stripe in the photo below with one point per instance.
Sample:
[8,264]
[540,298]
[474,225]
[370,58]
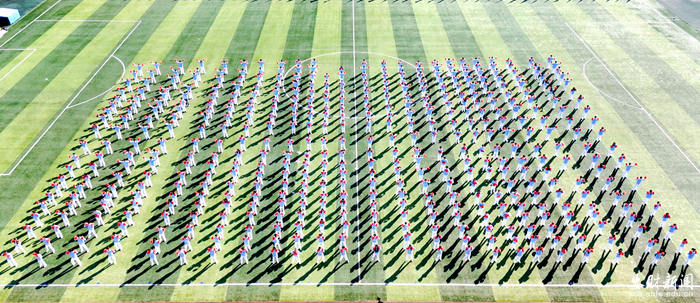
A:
[214,46]
[328,38]
[270,47]
[647,91]
[452,272]
[437,47]
[245,40]
[380,40]
[196,19]
[380,44]
[409,47]
[464,45]
[299,45]
[243,46]
[225,25]
[436,43]
[666,76]
[57,47]
[98,270]
[323,272]
[355,32]
[458,31]
[95,266]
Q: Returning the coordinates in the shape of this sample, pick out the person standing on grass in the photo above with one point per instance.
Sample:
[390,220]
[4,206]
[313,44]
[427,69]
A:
[691,255]
[10,259]
[152,257]
[74,260]
[212,256]
[39,259]
[275,255]
[110,256]
[296,256]
[18,246]
[182,255]
[344,254]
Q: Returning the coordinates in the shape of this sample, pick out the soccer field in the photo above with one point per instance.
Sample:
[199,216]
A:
[635,62]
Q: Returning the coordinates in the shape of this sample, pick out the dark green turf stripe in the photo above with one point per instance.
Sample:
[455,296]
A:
[406,34]
[300,36]
[458,31]
[185,47]
[58,11]
[522,48]
[20,95]
[513,36]
[247,34]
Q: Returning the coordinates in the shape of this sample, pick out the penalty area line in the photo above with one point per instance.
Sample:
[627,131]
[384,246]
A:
[642,108]
[20,62]
[68,106]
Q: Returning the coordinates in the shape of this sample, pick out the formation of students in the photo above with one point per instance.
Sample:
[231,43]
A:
[498,121]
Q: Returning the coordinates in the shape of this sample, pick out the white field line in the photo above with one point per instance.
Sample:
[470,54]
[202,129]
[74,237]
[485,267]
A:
[621,22]
[600,91]
[108,90]
[669,21]
[670,139]
[357,172]
[25,58]
[683,61]
[315,284]
[679,29]
[86,20]
[72,100]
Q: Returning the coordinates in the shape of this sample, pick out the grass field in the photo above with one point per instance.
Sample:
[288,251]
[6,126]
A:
[637,66]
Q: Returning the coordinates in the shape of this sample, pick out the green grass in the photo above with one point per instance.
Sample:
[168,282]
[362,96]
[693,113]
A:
[639,55]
